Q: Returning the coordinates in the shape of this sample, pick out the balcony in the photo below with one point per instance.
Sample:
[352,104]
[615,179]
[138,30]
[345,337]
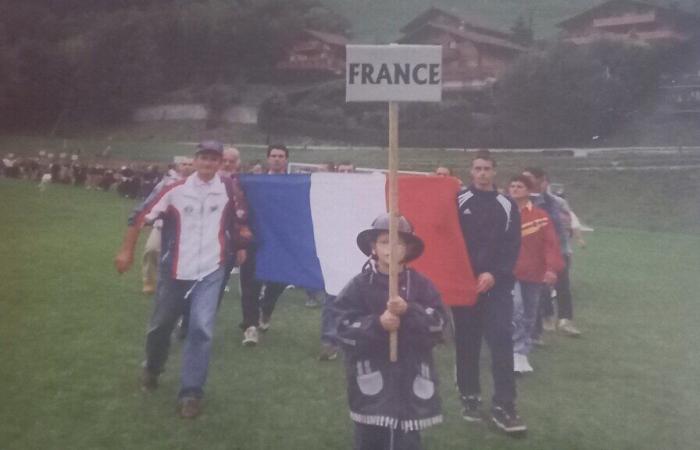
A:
[625,20]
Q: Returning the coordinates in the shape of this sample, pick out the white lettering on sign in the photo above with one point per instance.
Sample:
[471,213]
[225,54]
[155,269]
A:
[393,73]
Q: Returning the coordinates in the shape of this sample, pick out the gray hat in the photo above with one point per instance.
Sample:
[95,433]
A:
[210,146]
[414,244]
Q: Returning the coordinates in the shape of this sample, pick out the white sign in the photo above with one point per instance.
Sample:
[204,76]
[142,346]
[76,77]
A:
[393,73]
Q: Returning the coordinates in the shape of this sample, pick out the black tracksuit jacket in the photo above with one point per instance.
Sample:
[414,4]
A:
[491,228]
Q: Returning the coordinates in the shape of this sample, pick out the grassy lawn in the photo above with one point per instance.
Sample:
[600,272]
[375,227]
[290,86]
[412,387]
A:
[72,335]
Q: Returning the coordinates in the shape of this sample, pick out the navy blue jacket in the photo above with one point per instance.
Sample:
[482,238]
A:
[394,395]
[491,227]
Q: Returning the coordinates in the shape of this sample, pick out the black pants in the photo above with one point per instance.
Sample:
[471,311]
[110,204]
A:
[371,437]
[251,302]
[565,307]
[491,318]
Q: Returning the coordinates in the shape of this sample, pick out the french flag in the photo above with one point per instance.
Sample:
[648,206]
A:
[306,227]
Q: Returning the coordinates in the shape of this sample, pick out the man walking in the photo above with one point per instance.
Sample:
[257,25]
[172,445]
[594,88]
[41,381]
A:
[258,298]
[560,213]
[491,227]
[538,263]
[200,225]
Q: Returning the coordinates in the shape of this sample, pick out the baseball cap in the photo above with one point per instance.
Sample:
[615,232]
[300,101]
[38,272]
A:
[210,146]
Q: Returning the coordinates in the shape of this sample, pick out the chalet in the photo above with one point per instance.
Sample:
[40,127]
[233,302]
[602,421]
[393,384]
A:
[631,21]
[474,54]
[314,54]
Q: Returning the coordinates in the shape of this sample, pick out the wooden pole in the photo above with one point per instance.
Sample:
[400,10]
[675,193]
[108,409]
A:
[394,216]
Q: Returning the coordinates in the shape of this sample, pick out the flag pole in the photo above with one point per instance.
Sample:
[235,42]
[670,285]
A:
[393,215]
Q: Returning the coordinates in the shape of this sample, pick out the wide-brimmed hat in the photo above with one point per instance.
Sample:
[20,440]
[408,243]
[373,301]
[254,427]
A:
[414,244]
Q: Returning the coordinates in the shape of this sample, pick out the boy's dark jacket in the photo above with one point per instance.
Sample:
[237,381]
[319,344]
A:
[402,394]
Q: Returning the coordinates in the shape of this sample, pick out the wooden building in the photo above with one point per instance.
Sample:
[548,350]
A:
[474,54]
[631,21]
[314,54]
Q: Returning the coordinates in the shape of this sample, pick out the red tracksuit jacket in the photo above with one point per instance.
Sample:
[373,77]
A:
[539,246]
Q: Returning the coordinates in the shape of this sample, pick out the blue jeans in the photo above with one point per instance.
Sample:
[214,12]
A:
[172,297]
[329,321]
[526,300]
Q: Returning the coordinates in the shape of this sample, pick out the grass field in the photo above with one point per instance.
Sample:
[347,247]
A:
[72,331]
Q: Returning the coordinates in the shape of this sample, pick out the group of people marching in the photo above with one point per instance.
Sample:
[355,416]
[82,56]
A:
[517,243]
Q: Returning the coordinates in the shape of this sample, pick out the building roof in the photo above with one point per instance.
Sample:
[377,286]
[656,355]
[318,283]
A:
[473,22]
[471,36]
[681,16]
[330,38]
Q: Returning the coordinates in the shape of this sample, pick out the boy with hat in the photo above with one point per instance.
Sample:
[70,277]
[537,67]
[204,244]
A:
[203,222]
[390,402]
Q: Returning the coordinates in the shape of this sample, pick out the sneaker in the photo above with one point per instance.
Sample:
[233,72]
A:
[567,327]
[508,421]
[471,408]
[264,322]
[539,342]
[250,336]
[149,380]
[549,324]
[328,352]
[189,407]
[521,364]
[148,289]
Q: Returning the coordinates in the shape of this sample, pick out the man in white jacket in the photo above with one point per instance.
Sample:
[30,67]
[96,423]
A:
[203,224]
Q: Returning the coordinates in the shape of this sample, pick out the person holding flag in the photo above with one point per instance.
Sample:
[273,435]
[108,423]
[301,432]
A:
[390,402]
[491,227]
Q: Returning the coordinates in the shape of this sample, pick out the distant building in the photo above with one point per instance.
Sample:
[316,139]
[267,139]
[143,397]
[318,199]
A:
[474,54]
[631,21]
[314,54]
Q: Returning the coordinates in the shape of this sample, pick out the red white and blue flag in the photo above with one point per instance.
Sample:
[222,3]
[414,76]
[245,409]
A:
[306,228]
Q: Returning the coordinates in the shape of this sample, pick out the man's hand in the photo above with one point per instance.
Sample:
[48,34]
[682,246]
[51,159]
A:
[397,306]
[241,256]
[484,282]
[550,278]
[125,257]
[389,321]
[123,260]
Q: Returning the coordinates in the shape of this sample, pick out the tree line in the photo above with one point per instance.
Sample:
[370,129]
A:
[95,60]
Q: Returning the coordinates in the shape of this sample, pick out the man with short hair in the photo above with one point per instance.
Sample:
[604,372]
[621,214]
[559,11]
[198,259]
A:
[200,225]
[539,261]
[258,298]
[560,213]
[443,171]
[230,161]
[277,159]
[491,227]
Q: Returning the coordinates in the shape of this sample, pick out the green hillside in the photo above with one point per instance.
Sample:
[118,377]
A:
[379,20]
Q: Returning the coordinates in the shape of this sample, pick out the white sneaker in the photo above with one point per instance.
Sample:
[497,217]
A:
[250,336]
[567,327]
[521,364]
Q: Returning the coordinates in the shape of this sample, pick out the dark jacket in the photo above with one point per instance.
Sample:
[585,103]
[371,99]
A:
[402,394]
[491,227]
